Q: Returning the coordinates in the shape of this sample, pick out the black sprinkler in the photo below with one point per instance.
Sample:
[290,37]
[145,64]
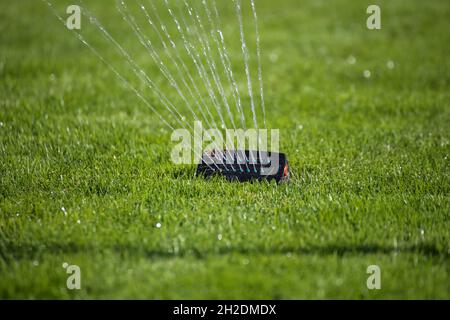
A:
[244,165]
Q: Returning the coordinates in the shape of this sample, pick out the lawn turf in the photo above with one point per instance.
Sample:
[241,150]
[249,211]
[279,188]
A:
[85,170]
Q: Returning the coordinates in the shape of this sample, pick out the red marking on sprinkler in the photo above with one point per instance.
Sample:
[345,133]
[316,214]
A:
[286,170]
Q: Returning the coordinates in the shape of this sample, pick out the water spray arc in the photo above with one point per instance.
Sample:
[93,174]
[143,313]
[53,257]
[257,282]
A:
[200,38]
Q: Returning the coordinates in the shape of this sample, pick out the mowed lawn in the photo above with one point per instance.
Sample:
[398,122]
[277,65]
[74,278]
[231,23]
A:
[86,176]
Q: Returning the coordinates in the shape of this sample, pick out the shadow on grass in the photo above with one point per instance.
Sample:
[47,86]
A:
[182,172]
[12,251]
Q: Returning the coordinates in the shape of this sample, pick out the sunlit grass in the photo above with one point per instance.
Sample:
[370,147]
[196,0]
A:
[85,171]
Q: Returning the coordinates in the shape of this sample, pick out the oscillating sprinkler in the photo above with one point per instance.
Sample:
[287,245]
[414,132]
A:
[245,165]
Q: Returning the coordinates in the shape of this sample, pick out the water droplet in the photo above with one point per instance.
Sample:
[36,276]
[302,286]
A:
[367,74]
[273,57]
[158,225]
[351,60]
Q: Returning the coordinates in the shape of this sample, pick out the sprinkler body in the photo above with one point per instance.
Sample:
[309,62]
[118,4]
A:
[245,165]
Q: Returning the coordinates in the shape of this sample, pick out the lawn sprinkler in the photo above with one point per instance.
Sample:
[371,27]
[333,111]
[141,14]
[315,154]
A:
[245,165]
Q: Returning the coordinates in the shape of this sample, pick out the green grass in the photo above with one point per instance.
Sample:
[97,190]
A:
[370,159]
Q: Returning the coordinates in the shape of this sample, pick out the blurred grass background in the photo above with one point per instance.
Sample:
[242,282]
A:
[85,172]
